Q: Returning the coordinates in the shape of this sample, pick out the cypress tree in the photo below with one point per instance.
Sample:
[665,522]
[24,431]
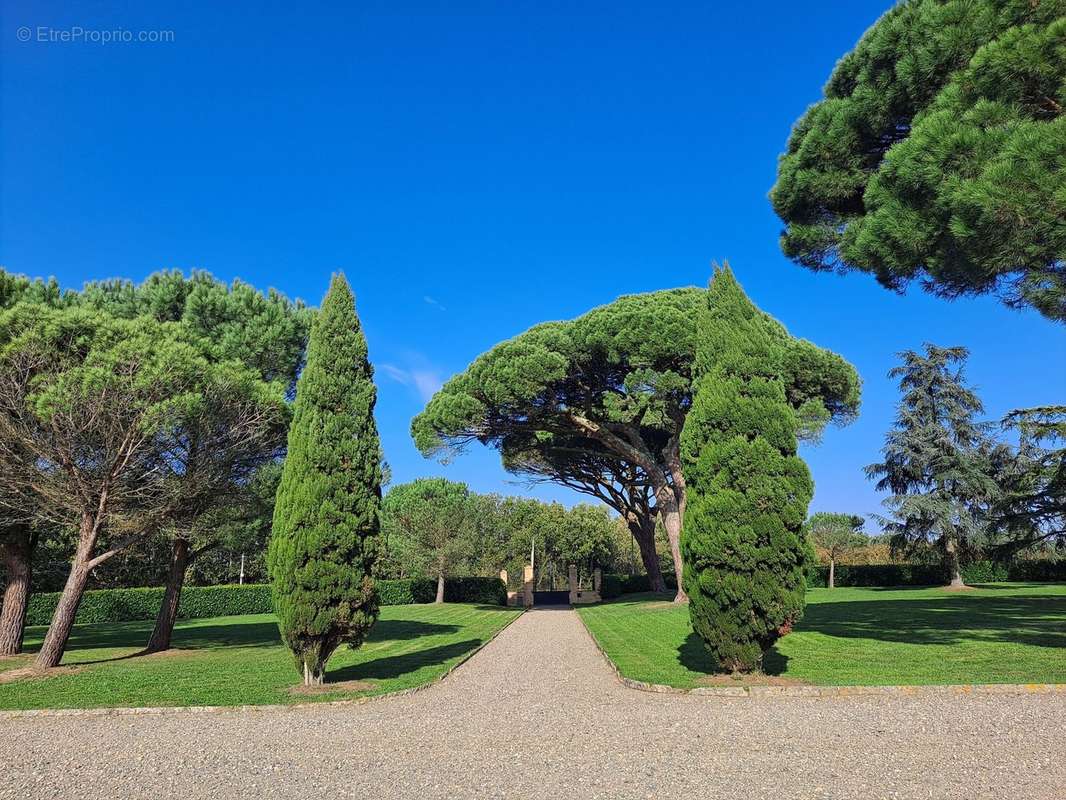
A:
[325,534]
[742,543]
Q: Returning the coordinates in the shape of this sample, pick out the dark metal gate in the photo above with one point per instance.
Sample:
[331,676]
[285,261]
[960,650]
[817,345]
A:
[551,598]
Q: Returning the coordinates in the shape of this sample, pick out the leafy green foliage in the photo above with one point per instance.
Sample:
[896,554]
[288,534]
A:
[836,533]
[939,460]
[124,605]
[597,403]
[748,491]
[325,535]
[425,523]
[939,153]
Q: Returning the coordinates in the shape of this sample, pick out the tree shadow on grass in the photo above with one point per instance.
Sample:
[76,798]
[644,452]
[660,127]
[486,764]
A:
[390,667]
[389,630]
[694,655]
[212,637]
[1039,621]
[947,620]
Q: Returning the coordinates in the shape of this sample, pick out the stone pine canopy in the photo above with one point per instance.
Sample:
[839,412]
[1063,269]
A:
[618,379]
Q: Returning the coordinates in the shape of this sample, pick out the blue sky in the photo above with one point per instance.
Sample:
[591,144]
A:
[474,168]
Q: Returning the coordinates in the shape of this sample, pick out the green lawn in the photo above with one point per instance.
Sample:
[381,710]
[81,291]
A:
[998,633]
[240,660]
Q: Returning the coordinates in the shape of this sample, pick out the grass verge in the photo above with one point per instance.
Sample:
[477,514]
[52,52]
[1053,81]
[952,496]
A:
[241,661]
[997,633]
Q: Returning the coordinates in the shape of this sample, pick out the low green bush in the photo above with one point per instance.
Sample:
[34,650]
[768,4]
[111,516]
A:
[198,602]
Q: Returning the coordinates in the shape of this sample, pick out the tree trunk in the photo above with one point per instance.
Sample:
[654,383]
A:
[314,677]
[55,641]
[180,558]
[953,565]
[643,531]
[832,573]
[440,588]
[671,514]
[16,551]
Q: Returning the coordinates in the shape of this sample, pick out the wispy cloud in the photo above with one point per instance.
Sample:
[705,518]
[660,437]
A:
[424,381]
[432,301]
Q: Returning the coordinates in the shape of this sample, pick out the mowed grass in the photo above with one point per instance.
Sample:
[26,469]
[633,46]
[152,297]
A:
[996,633]
[241,661]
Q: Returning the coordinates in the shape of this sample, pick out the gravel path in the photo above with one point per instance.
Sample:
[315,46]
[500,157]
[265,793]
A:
[538,714]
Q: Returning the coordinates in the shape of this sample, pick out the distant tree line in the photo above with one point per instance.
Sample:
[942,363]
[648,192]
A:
[437,528]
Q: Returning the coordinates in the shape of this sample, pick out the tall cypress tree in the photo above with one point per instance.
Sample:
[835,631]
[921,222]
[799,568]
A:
[748,491]
[325,535]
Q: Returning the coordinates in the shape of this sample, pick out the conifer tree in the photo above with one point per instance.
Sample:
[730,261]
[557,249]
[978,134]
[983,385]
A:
[325,535]
[938,460]
[742,543]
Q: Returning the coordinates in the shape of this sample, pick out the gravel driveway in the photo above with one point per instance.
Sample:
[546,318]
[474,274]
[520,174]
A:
[538,714]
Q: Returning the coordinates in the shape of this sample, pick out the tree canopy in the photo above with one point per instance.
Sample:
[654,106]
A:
[939,154]
[426,520]
[939,460]
[607,394]
[87,405]
[1031,510]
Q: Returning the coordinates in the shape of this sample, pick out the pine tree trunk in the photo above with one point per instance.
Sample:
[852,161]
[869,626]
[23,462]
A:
[953,565]
[168,610]
[832,573]
[16,551]
[644,533]
[55,641]
[672,522]
[440,588]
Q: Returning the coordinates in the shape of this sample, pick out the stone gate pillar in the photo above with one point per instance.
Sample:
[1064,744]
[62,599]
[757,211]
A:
[527,586]
[573,583]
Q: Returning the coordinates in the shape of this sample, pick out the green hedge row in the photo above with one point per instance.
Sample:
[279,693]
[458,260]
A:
[879,575]
[934,574]
[614,585]
[125,605]
[197,602]
[488,591]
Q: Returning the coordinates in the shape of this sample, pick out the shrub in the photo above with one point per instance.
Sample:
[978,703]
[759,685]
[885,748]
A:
[611,586]
[488,591]
[1037,570]
[126,605]
[742,545]
[936,574]
[198,602]
[405,591]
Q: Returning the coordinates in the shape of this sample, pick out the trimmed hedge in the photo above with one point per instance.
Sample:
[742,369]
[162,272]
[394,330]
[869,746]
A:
[935,574]
[198,602]
[404,591]
[879,575]
[125,605]
[614,585]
